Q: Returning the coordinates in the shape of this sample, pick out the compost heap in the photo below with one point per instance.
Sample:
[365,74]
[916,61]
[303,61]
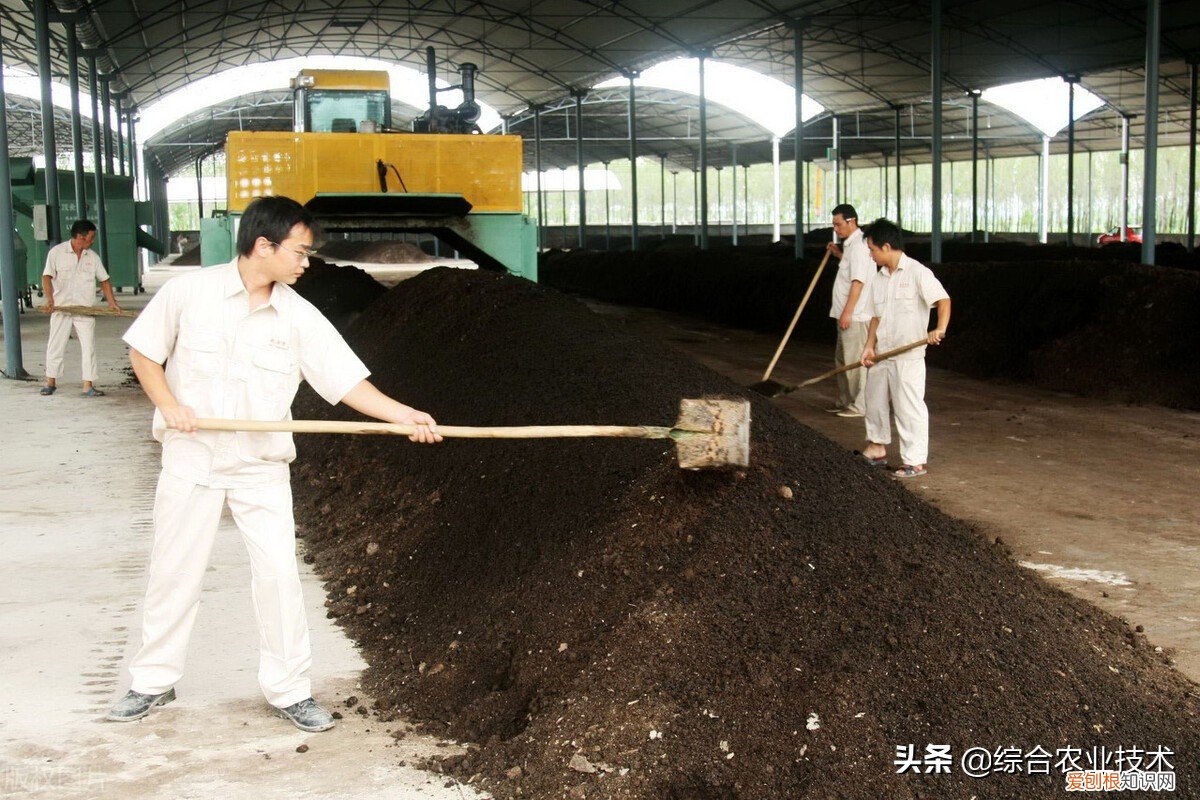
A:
[375,252]
[602,623]
[338,292]
[1096,326]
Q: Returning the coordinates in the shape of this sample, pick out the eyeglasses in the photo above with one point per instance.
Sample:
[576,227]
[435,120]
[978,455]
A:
[302,253]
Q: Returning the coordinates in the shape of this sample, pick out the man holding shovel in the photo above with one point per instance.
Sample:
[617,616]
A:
[851,307]
[902,294]
[69,279]
[237,340]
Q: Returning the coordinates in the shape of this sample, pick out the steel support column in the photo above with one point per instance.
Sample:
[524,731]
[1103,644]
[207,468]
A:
[775,233]
[10,284]
[883,183]
[106,110]
[1090,219]
[1150,126]
[837,163]
[537,162]
[633,187]
[607,211]
[1124,176]
[1191,204]
[1043,192]
[935,232]
[898,203]
[662,196]
[733,190]
[719,201]
[117,100]
[798,84]
[579,158]
[974,164]
[199,190]
[98,171]
[704,161]
[1070,161]
[76,125]
[990,216]
[135,169]
[674,201]
[41,29]
[746,196]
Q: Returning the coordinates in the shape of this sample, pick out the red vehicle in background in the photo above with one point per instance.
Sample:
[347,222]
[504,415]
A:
[1132,234]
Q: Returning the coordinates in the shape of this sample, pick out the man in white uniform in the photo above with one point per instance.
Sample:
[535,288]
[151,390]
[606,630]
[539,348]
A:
[237,340]
[851,307]
[902,294]
[69,279]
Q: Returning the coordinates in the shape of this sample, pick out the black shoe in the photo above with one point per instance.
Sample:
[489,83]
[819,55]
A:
[307,716]
[135,705]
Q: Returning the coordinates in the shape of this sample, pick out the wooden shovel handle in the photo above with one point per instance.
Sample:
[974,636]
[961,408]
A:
[881,357]
[90,311]
[451,431]
[796,317]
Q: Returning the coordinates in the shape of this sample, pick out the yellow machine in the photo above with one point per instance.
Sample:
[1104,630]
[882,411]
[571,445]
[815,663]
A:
[355,172]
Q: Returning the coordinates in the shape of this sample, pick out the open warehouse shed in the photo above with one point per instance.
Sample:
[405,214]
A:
[554,227]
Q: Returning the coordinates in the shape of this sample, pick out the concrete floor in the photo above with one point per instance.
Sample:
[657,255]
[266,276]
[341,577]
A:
[76,493]
[1099,498]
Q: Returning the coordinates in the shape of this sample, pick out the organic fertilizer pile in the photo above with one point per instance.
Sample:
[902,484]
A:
[380,252]
[1093,326]
[599,623]
[339,292]
[190,257]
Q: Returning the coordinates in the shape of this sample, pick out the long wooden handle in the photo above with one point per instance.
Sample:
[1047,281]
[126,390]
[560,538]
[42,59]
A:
[796,318]
[452,431]
[881,357]
[90,311]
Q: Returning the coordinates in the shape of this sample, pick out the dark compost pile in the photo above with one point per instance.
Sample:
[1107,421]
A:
[1090,325]
[603,624]
[338,292]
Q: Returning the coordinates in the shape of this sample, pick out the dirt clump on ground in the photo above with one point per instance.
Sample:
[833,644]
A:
[596,622]
[1096,326]
[339,292]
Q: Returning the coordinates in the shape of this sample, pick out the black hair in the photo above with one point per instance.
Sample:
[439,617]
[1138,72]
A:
[273,219]
[82,227]
[884,231]
[846,210]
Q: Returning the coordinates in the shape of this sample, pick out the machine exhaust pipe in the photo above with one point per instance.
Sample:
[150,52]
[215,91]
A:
[431,72]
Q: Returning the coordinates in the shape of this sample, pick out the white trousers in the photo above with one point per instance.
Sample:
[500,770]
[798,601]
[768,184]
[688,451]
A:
[185,525]
[900,385]
[851,385]
[56,347]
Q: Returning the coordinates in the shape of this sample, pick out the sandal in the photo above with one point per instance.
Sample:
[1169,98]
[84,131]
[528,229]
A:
[93,392]
[48,390]
[874,462]
[908,471]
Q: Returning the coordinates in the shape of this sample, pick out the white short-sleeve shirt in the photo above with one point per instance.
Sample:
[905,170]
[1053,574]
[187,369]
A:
[902,300]
[856,265]
[73,277]
[224,361]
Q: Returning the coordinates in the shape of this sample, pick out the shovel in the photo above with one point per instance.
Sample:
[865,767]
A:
[884,356]
[774,388]
[710,432]
[91,311]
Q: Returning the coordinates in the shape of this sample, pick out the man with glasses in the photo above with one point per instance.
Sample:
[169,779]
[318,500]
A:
[237,340]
